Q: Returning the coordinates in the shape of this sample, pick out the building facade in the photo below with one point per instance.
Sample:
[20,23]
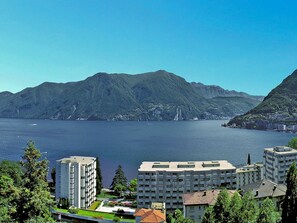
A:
[195,204]
[168,181]
[76,180]
[277,162]
[249,174]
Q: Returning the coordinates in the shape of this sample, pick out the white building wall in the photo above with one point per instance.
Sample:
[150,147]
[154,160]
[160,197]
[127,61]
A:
[76,180]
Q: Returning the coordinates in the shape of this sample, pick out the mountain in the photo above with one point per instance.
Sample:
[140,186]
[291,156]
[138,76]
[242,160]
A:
[156,95]
[278,107]
[212,91]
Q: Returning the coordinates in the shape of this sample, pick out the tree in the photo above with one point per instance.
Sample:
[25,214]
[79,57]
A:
[35,200]
[221,208]
[293,143]
[178,217]
[9,195]
[289,208]
[53,175]
[249,208]
[268,213]
[249,162]
[235,208]
[13,170]
[208,215]
[99,185]
[119,182]
[132,185]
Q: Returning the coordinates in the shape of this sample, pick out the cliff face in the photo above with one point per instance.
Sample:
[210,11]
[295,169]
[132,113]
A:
[156,95]
[278,107]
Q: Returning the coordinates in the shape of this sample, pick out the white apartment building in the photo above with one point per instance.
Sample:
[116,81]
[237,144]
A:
[277,162]
[168,181]
[76,180]
[249,174]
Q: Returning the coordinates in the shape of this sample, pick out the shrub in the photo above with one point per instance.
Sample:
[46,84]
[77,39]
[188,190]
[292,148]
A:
[116,219]
[120,211]
[73,210]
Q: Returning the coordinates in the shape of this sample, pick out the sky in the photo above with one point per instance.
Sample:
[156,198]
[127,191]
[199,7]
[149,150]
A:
[243,45]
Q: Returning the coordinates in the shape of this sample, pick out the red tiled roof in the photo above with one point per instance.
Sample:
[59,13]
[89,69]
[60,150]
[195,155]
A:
[150,215]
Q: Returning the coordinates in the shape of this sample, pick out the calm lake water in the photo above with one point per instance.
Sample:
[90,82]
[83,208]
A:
[130,143]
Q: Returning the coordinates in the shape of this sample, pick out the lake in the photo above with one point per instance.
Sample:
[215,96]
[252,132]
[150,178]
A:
[129,143]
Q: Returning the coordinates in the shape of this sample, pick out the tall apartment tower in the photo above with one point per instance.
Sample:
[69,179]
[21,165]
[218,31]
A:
[277,162]
[76,180]
[168,181]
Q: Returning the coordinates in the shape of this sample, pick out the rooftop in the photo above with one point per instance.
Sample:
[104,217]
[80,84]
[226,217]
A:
[249,168]
[78,159]
[208,197]
[184,166]
[150,215]
[265,188]
[282,150]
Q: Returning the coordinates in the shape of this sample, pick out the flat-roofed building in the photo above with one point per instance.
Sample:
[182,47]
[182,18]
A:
[76,180]
[168,181]
[249,174]
[277,162]
[196,203]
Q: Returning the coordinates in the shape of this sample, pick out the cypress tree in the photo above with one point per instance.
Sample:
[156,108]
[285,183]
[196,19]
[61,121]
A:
[99,185]
[208,216]
[235,208]
[289,209]
[249,162]
[249,208]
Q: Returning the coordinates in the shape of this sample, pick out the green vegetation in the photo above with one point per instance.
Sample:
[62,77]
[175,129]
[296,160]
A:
[240,209]
[105,194]
[28,199]
[99,215]
[94,206]
[293,143]
[119,182]
[289,213]
[178,217]
[99,184]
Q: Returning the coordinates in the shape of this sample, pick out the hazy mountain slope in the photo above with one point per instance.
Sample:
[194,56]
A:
[280,106]
[151,96]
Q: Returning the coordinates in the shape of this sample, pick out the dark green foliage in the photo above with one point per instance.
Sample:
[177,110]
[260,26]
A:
[249,162]
[149,96]
[249,208]
[177,217]
[63,203]
[293,143]
[119,182]
[268,212]
[235,208]
[53,175]
[13,170]
[99,184]
[132,185]
[289,208]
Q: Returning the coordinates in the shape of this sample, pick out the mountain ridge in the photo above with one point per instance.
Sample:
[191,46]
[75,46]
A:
[158,95]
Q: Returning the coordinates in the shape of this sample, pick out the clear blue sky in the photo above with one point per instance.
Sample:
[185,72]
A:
[246,45]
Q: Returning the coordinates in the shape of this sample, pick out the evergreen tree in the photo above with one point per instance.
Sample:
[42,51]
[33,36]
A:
[289,209]
[268,213]
[208,216]
[35,201]
[221,209]
[249,162]
[249,208]
[53,175]
[235,208]
[132,185]
[99,185]
[119,182]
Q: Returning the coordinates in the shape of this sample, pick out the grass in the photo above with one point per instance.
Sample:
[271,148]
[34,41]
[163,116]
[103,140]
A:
[94,206]
[96,214]
[106,195]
